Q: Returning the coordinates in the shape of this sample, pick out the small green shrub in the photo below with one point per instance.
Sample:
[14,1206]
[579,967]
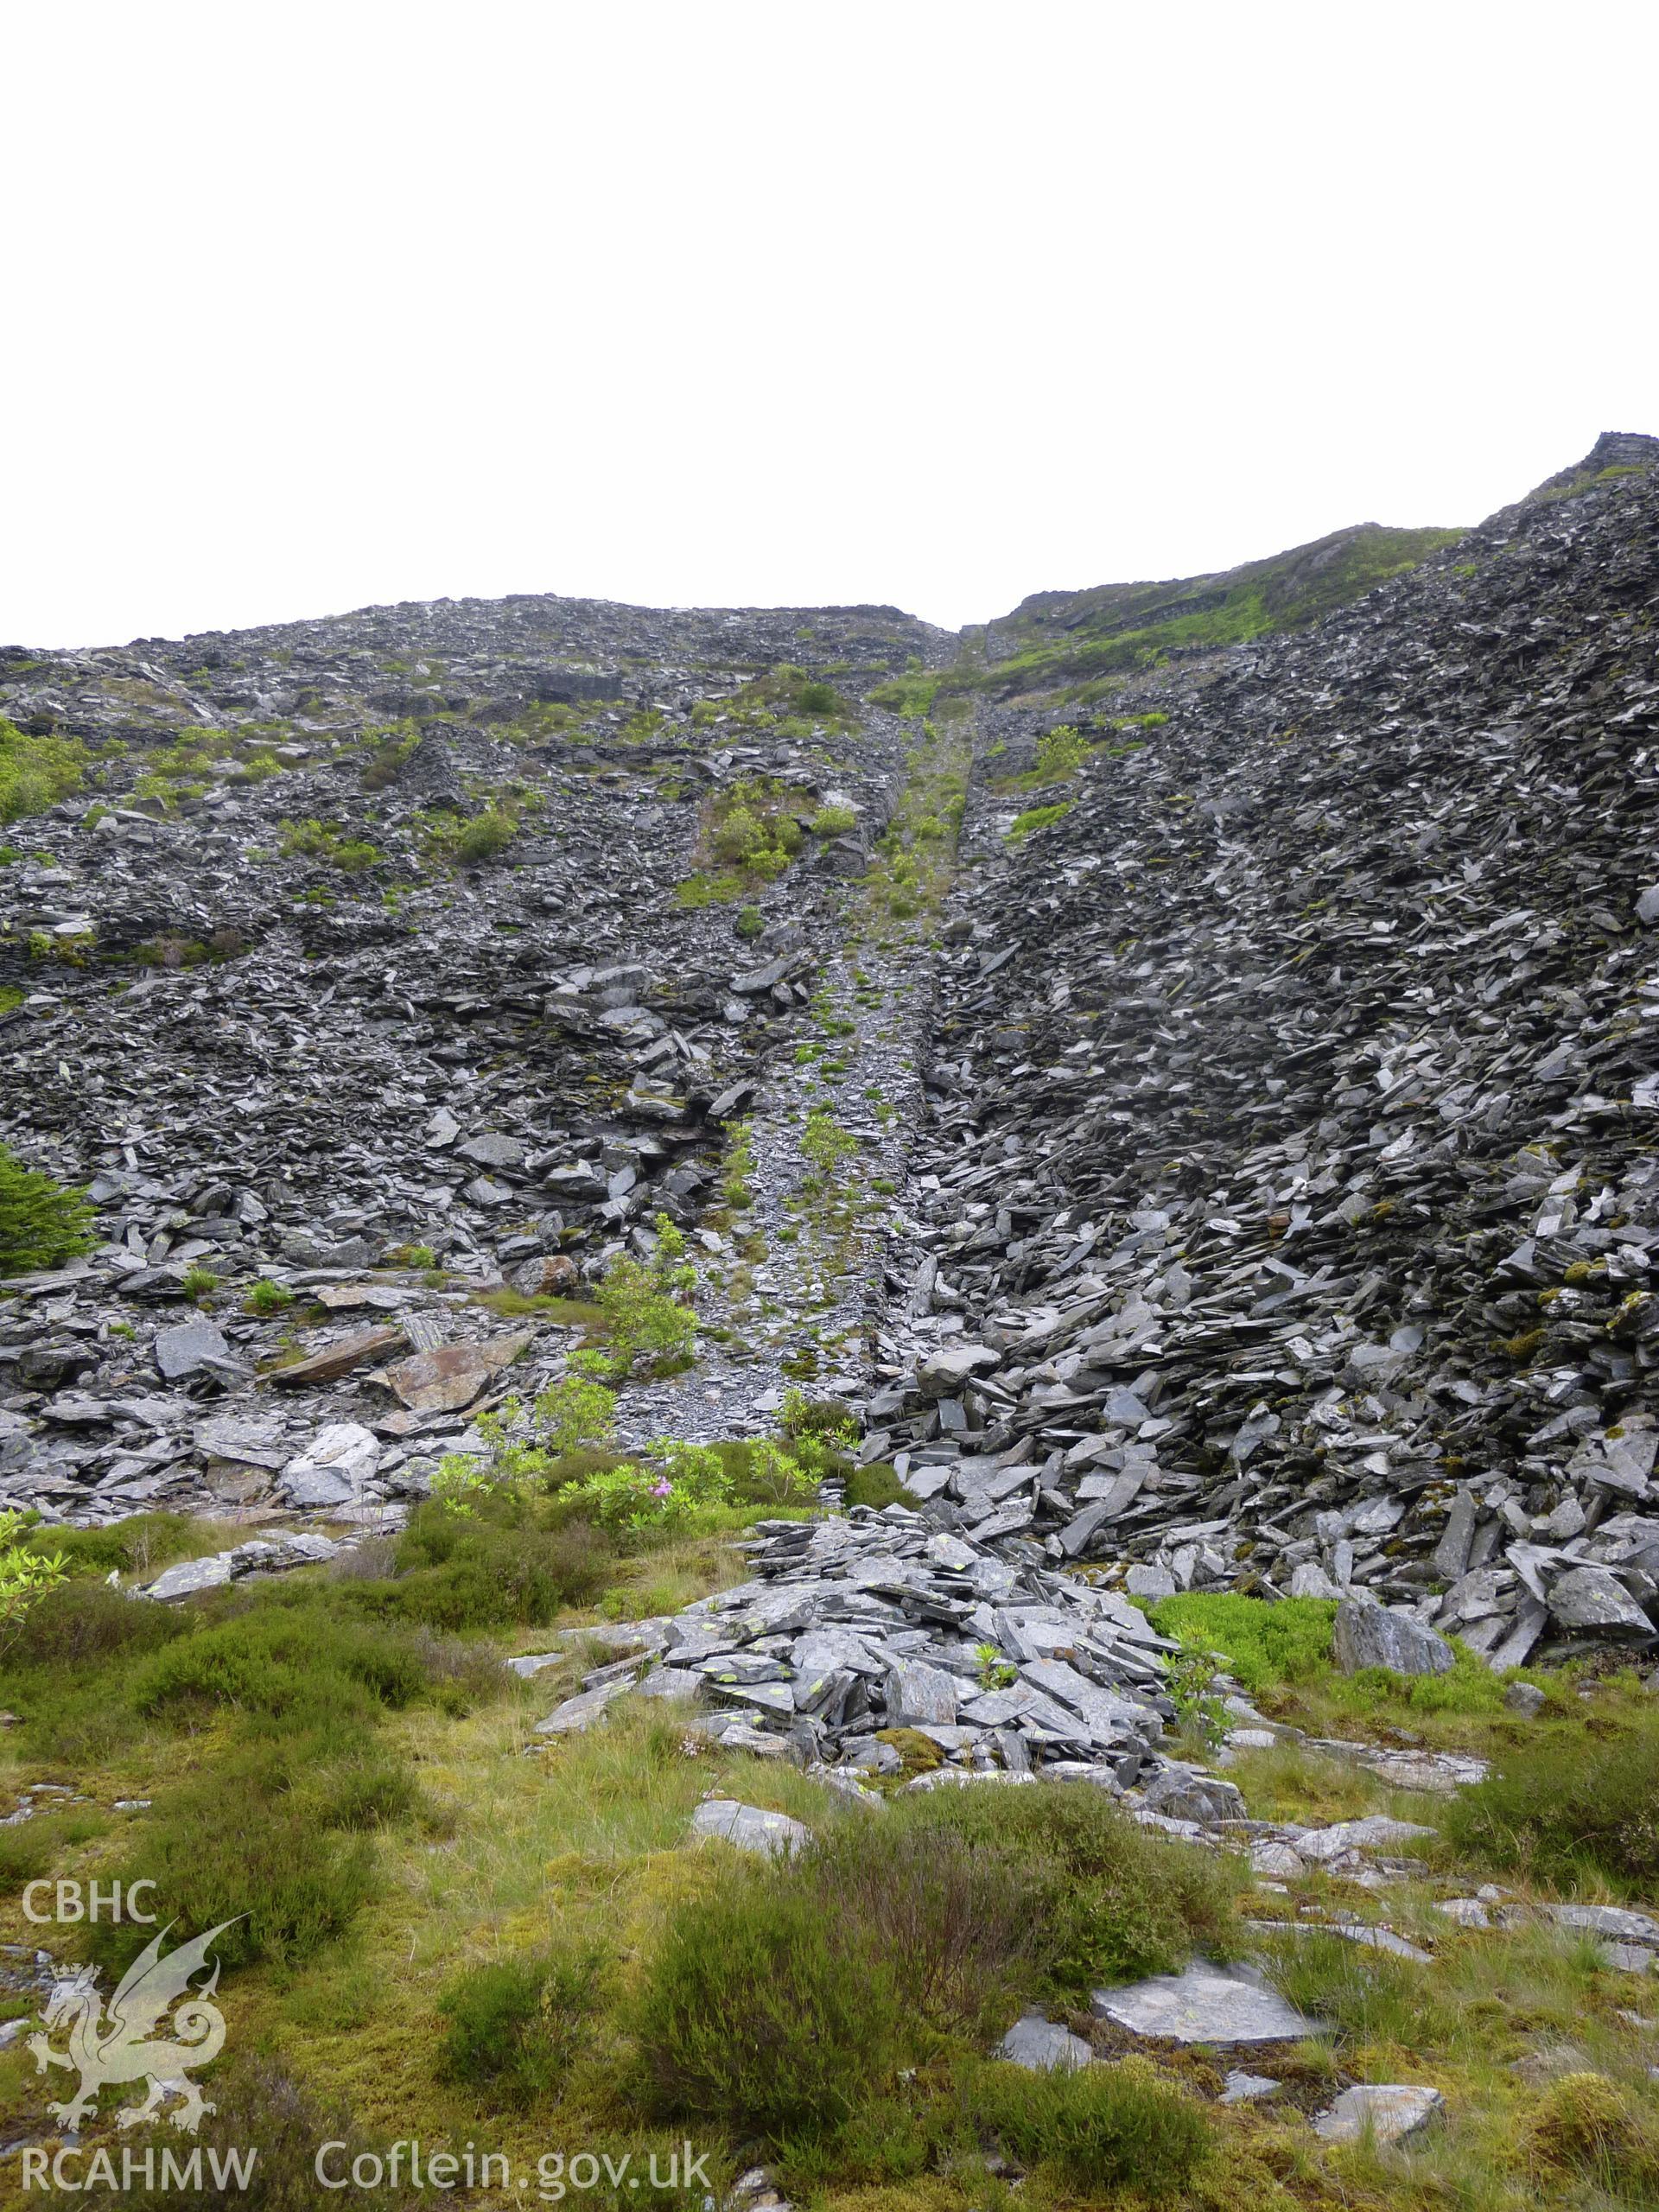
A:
[273,1830]
[1037,817]
[278,1658]
[41,1223]
[833,821]
[199,1282]
[141,1544]
[267,1297]
[35,1848]
[750,922]
[952,1912]
[516,2025]
[824,1144]
[1095,2131]
[703,890]
[389,750]
[738,1166]
[1267,1644]
[242,1845]
[528,1443]
[876,1485]
[65,1671]
[763,1473]
[1568,1811]
[324,842]
[912,693]
[373,1790]
[27,1573]
[486,835]
[826,1417]
[751,2016]
[253,2102]
[35,772]
[671,1490]
[1061,752]
[494,1568]
[649,1322]
[1468,1686]
[752,829]
[1091,1897]
[80,1626]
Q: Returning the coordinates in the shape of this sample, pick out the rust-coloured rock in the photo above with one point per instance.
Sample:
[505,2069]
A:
[450,1376]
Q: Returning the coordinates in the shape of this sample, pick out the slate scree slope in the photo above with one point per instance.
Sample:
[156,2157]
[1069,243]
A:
[1253,1178]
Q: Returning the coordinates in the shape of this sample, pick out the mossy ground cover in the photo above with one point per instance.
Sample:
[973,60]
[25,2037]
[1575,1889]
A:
[1280,1653]
[36,770]
[913,862]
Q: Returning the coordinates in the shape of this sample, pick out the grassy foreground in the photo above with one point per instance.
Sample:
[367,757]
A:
[448,1928]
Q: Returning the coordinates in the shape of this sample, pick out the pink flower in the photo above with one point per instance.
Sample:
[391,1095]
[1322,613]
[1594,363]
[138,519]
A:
[662,1487]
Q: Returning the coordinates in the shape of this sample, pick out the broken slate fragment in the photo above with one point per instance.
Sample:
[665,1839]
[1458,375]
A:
[188,1346]
[334,1468]
[1590,1597]
[1389,2111]
[1239,2088]
[189,1576]
[1182,1793]
[774,1835]
[1226,2006]
[1369,1635]
[336,1359]
[577,1714]
[1043,2046]
[918,1694]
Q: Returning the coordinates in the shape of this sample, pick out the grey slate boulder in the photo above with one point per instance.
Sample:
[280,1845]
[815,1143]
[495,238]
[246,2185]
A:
[333,1469]
[920,1696]
[1226,2005]
[577,1714]
[1044,2046]
[189,1576]
[1589,1597]
[943,1372]
[1182,1793]
[1614,1921]
[188,1346]
[1369,1635]
[1389,2111]
[318,1489]
[773,1835]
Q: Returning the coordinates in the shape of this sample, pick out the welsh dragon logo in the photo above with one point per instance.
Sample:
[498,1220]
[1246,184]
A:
[120,2045]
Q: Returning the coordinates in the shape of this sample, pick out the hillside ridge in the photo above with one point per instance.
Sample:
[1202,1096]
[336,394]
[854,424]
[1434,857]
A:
[723,1227]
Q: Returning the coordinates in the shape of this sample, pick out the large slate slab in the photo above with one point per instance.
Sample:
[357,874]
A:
[1204,2003]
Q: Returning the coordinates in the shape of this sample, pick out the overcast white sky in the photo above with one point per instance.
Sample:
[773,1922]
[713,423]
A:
[931,301]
